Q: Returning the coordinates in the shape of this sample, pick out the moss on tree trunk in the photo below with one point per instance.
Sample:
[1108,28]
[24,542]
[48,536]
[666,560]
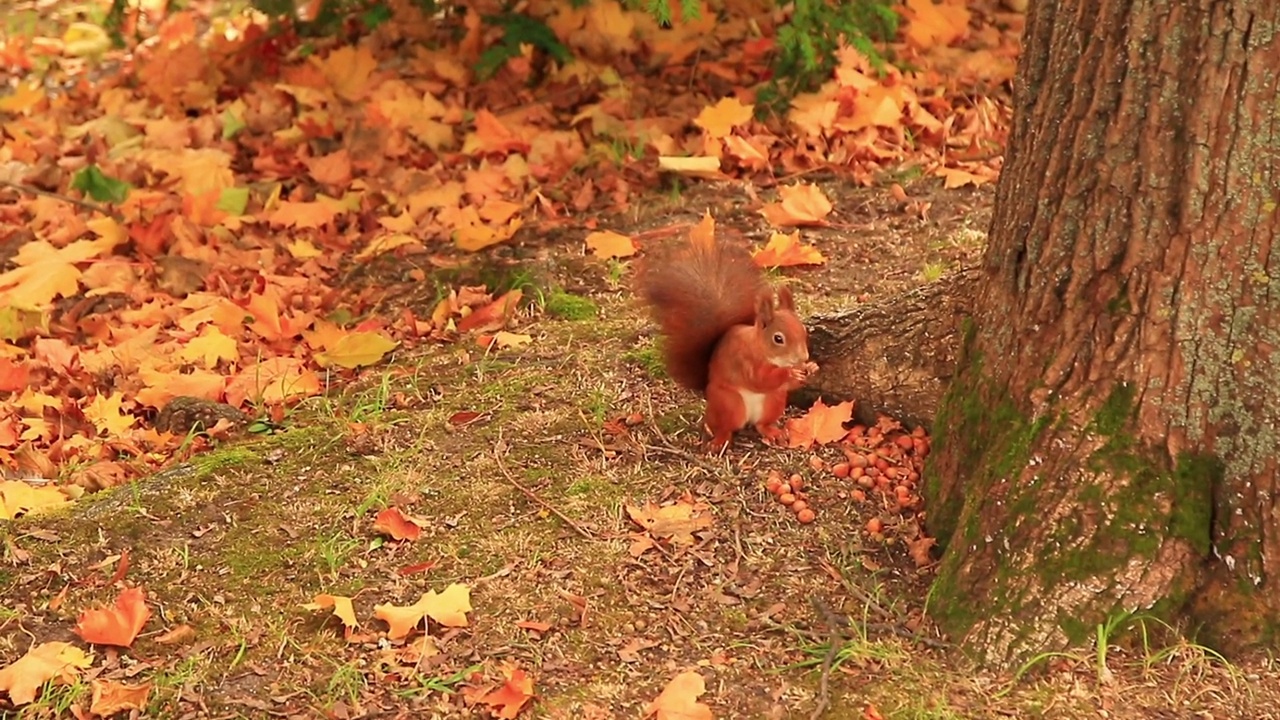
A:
[1108,442]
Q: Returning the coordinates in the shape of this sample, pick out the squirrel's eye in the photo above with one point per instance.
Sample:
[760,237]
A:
[778,339]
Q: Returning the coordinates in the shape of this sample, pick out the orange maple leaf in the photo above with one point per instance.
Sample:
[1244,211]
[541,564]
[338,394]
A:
[272,381]
[785,251]
[315,214]
[400,619]
[606,244]
[118,625]
[348,70]
[720,119]
[394,523]
[933,24]
[679,699]
[822,424]
[516,691]
[332,169]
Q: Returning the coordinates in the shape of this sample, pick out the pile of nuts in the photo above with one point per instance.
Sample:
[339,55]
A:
[883,458]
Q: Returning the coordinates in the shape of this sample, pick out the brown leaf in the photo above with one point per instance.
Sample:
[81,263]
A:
[110,697]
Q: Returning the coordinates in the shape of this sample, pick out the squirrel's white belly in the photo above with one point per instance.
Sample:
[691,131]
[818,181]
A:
[754,404]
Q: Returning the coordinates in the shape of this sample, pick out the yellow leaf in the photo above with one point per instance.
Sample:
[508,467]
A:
[449,608]
[82,38]
[786,251]
[679,699]
[504,339]
[106,415]
[931,24]
[401,620]
[348,70]
[607,244]
[210,347]
[387,243]
[340,605]
[24,99]
[303,249]
[401,223]
[801,204]
[473,238]
[693,166]
[357,350]
[720,119]
[48,661]
[19,498]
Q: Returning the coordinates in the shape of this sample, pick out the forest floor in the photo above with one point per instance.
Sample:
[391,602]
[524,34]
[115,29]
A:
[525,468]
[232,544]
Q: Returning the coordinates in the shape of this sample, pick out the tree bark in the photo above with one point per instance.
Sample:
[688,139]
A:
[894,357]
[1109,442]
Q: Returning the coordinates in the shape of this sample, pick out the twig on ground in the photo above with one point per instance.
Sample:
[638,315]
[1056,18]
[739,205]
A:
[498,449]
[84,204]
[834,636]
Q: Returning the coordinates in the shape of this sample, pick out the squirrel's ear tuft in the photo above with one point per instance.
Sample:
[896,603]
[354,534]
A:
[764,309]
[785,299]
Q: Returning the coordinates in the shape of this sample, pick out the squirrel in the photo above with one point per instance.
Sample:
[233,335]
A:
[725,337]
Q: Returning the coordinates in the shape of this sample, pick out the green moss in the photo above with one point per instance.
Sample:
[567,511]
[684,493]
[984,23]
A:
[567,306]
[224,459]
[1194,478]
[648,357]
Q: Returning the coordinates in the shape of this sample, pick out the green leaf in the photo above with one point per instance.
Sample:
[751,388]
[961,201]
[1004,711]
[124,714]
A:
[233,200]
[232,124]
[100,187]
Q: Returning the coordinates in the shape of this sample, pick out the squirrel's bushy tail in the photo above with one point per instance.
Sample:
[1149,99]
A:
[696,292]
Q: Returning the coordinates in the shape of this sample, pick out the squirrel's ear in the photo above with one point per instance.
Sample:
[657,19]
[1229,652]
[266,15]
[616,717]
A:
[785,300]
[764,309]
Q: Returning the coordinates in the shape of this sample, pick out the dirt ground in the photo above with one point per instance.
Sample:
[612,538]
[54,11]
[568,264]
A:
[782,620]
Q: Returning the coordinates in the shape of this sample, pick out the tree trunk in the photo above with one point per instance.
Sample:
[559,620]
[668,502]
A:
[1109,442]
[896,356]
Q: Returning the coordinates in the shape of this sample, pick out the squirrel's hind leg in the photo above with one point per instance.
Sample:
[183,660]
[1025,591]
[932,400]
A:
[726,414]
[775,404]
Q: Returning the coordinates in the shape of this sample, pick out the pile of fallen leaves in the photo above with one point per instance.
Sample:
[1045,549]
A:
[181,216]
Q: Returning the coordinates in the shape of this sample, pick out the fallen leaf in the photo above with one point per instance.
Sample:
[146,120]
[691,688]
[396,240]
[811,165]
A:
[58,661]
[357,349]
[706,167]
[679,699]
[117,625]
[800,204]
[787,251]
[822,424]
[492,316]
[394,523]
[516,691]
[720,119]
[606,244]
[110,697]
[534,625]
[677,521]
[340,605]
[449,608]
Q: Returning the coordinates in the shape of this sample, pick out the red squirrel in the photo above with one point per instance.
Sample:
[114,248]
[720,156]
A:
[725,337]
